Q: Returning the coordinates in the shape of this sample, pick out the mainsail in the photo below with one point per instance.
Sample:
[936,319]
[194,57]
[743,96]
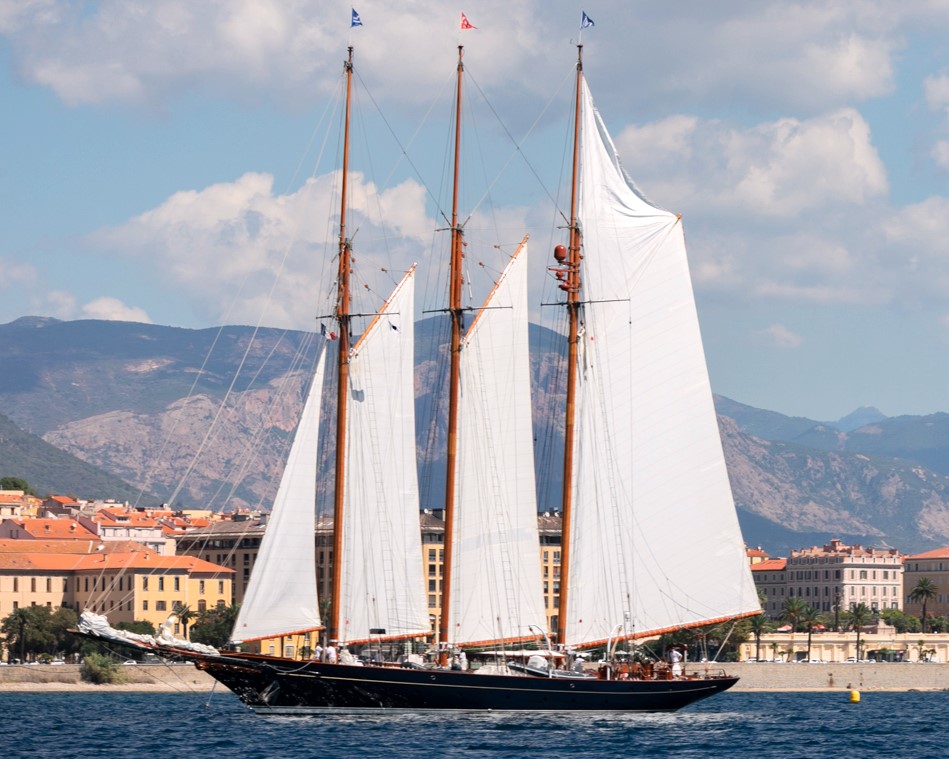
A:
[381,583]
[281,596]
[655,543]
[496,589]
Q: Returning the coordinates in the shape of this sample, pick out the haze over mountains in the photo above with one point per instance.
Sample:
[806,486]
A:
[143,403]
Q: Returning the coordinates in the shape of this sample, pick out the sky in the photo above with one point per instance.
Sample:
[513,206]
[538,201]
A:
[163,161]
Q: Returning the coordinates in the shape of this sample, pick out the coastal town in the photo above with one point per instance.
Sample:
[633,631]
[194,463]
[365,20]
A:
[835,603]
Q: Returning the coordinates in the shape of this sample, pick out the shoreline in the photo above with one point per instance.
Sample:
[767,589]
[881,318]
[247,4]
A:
[754,677]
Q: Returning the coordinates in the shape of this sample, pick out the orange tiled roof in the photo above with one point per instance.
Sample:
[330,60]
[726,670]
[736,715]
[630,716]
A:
[936,553]
[8,545]
[770,565]
[756,553]
[53,529]
[110,518]
[52,562]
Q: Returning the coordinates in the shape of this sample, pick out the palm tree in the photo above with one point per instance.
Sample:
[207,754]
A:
[925,591]
[759,626]
[791,612]
[858,616]
[809,619]
[185,616]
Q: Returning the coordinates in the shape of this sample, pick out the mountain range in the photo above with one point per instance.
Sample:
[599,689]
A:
[203,418]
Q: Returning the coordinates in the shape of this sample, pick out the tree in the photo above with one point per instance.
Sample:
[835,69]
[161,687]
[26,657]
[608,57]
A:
[214,626]
[15,483]
[924,592]
[857,617]
[185,617]
[792,611]
[760,625]
[28,631]
[809,619]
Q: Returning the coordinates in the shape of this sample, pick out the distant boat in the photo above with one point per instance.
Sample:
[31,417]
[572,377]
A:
[651,542]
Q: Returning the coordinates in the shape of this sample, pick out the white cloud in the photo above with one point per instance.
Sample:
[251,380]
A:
[112,309]
[242,251]
[781,337]
[781,168]
[940,154]
[808,53]
[57,303]
[15,273]
[936,88]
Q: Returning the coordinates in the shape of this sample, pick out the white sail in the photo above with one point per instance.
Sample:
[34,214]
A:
[496,584]
[655,538]
[281,596]
[382,585]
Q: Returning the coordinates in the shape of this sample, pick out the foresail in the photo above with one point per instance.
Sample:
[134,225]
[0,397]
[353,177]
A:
[496,585]
[281,596]
[381,580]
[655,542]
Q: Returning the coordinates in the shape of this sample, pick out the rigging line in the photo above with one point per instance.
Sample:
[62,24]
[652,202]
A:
[518,145]
[177,419]
[251,448]
[405,148]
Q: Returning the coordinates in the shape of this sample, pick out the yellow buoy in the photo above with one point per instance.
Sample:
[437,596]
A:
[854,697]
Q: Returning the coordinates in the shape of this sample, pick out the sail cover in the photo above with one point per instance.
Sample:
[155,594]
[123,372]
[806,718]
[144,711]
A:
[496,585]
[281,595]
[381,578]
[655,538]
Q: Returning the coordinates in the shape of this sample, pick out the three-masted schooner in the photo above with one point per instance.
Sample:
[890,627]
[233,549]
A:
[650,538]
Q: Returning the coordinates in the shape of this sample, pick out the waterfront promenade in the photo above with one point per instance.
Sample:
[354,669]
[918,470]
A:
[162,678]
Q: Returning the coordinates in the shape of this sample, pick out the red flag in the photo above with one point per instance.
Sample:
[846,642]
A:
[465,23]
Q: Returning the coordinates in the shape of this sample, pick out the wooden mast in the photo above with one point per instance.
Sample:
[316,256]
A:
[572,288]
[456,314]
[342,315]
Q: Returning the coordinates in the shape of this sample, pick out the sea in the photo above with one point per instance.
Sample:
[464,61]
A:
[759,725]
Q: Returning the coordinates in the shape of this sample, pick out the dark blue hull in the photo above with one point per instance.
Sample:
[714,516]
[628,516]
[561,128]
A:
[271,685]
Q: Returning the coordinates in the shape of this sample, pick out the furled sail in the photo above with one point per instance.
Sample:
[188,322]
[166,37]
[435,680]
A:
[381,580]
[655,541]
[281,596]
[496,585]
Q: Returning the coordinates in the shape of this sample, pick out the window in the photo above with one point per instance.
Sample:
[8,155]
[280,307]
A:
[49,584]
[161,584]
[200,587]
[160,606]
[220,586]
[16,586]
[177,584]
[32,584]
[144,583]
[144,605]
[202,606]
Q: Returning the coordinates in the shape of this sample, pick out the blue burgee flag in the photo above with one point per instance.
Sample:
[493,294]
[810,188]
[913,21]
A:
[585,20]
[356,20]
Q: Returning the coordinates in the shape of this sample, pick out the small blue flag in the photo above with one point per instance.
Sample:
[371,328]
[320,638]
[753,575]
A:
[585,20]
[356,20]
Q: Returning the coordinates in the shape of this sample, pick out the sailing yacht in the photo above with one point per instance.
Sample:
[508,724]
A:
[650,542]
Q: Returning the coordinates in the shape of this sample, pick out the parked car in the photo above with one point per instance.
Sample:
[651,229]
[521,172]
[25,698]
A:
[130,661]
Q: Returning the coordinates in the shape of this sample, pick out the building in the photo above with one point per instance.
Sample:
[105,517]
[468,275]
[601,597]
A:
[118,524]
[935,566]
[123,579]
[44,529]
[771,581]
[235,544]
[833,578]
